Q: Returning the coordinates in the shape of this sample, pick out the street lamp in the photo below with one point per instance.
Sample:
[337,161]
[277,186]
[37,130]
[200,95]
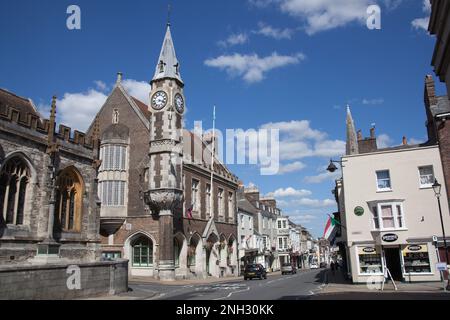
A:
[437,192]
[332,167]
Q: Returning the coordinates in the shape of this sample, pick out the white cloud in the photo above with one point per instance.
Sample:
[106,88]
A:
[416,141]
[314,203]
[101,85]
[77,110]
[252,68]
[275,33]
[321,15]
[422,23]
[289,192]
[291,167]
[304,218]
[373,101]
[384,141]
[137,89]
[298,140]
[296,129]
[234,39]
[321,177]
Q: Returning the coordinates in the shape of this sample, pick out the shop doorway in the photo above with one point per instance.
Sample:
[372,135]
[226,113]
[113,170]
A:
[392,256]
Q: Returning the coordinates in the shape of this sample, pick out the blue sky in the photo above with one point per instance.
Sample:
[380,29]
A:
[287,64]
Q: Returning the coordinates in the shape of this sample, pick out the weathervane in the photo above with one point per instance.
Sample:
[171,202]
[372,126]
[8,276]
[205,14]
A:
[168,14]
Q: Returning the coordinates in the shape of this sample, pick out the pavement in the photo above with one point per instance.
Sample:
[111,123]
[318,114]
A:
[337,287]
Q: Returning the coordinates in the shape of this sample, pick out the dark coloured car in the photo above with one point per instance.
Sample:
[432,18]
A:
[255,271]
[323,265]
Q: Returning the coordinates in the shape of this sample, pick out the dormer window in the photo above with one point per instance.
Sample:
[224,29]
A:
[177,68]
[161,66]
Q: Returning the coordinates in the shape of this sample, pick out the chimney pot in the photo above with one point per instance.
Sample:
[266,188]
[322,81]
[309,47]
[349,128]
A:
[405,141]
[372,132]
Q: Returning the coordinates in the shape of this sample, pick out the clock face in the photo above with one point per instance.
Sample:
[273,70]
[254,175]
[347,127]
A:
[179,103]
[159,100]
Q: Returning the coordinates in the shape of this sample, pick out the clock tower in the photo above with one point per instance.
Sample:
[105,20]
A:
[165,189]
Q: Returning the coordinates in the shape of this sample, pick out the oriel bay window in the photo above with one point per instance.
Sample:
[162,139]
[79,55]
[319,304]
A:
[68,201]
[388,216]
[112,193]
[113,157]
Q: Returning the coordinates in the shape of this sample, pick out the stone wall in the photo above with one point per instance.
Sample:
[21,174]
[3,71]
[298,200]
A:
[49,282]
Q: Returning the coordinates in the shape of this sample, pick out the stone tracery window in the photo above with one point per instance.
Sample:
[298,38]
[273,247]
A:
[14,180]
[69,201]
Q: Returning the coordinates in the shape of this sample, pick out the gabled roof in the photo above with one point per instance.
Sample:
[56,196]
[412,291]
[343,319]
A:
[168,65]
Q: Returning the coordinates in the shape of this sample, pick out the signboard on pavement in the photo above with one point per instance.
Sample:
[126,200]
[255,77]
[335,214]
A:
[441,266]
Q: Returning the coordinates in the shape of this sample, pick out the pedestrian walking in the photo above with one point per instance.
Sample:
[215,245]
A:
[332,266]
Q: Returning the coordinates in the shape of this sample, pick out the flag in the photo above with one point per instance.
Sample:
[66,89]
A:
[189,212]
[330,227]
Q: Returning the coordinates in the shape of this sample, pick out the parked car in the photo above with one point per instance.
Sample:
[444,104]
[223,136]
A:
[255,271]
[314,266]
[288,268]
[323,265]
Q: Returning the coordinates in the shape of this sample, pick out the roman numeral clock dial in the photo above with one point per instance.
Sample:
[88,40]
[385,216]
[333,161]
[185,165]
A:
[159,100]
[179,103]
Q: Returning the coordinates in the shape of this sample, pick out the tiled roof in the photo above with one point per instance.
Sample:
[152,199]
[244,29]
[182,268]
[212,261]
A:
[143,107]
[23,105]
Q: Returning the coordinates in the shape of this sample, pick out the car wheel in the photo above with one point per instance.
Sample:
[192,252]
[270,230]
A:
[265,277]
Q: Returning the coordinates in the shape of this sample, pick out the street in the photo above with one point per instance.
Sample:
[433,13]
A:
[276,287]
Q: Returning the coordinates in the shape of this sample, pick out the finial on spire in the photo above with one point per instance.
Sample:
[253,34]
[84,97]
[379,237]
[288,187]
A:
[119,77]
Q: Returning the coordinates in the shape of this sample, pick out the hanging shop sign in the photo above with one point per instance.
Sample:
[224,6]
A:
[359,211]
[390,237]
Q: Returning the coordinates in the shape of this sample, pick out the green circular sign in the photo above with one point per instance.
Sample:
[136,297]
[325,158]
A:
[359,211]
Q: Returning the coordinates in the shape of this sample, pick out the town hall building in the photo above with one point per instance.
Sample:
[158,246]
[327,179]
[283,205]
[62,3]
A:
[161,208]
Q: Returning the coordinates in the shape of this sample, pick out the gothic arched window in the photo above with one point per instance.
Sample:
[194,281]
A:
[14,180]
[69,199]
[142,252]
[115,116]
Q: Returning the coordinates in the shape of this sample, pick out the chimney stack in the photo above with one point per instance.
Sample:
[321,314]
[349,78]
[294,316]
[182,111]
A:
[405,141]
[359,134]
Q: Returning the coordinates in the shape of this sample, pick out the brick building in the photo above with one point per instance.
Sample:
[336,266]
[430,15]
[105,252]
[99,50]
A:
[155,184]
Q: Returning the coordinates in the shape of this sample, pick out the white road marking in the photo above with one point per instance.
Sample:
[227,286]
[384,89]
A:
[231,293]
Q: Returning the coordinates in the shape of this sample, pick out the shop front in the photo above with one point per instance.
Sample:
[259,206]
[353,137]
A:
[409,262]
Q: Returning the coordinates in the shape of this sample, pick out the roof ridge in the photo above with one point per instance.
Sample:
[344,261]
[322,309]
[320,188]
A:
[15,95]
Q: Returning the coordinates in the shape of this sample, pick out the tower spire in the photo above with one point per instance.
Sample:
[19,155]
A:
[352,141]
[168,66]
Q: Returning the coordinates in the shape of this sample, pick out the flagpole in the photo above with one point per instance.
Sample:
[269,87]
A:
[213,152]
